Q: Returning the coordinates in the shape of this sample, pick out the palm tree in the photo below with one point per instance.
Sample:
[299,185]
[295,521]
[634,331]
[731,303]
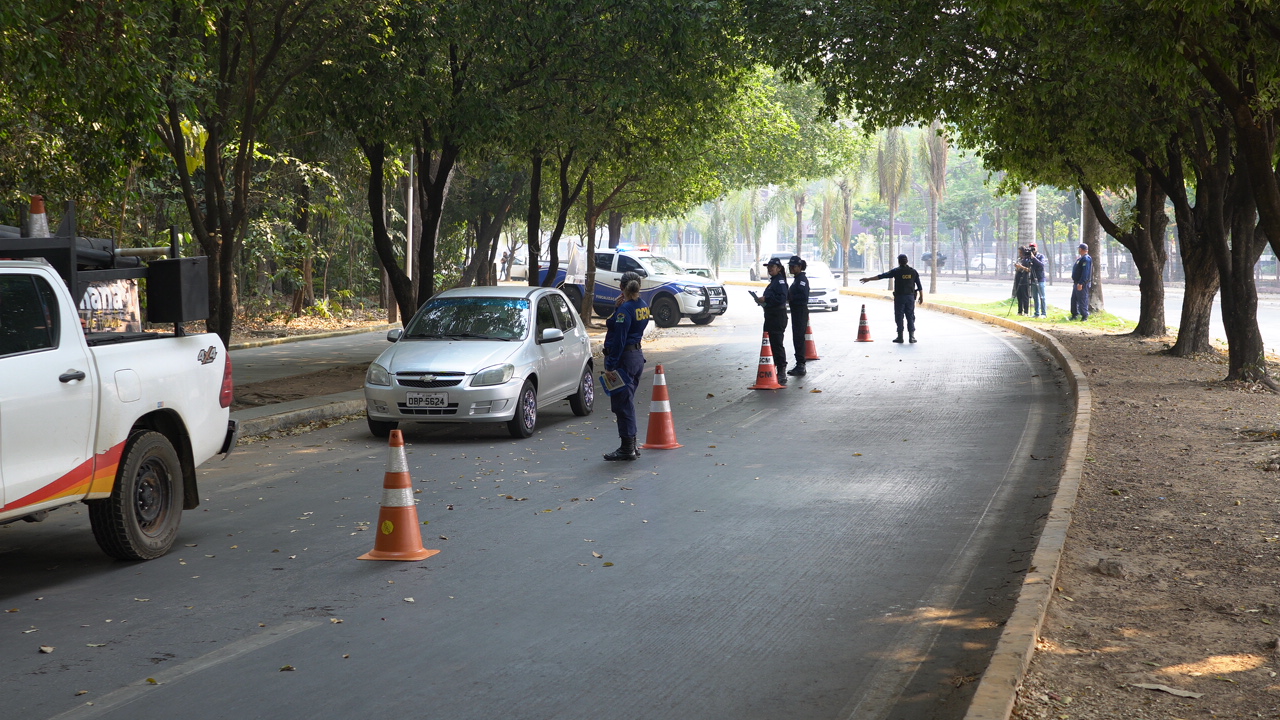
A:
[933,156]
[893,168]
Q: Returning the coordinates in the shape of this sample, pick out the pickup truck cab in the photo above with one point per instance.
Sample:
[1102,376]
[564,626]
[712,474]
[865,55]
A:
[671,292]
[116,420]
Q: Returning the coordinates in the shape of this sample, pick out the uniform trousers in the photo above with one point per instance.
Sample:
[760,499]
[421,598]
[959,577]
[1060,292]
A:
[1080,301]
[622,401]
[904,306]
[778,346]
[799,328]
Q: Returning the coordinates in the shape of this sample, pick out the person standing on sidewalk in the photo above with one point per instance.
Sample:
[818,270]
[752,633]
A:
[798,299]
[1037,281]
[906,286]
[1081,280]
[774,302]
[1022,280]
[624,329]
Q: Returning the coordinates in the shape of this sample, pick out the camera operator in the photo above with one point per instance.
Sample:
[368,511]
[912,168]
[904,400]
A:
[1022,280]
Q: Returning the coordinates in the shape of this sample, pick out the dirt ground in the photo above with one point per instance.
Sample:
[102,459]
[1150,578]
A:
[1171,568]
[1170,573]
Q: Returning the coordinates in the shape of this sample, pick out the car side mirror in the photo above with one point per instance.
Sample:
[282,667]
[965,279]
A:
[394,335]
[641,272]
[551,335]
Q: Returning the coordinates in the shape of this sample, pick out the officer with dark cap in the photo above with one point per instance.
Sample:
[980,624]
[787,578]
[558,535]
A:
[798,299]
[906,285]
[1081,281]
[774,302]
[625,328]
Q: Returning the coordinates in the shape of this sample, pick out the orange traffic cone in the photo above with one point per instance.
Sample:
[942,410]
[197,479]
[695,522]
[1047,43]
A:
[662,426]
[398,535]
[38,223]
[767,372]
[810,349]
[864,332]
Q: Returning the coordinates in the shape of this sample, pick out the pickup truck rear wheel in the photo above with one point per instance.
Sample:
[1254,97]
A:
[140,519]
[703,319]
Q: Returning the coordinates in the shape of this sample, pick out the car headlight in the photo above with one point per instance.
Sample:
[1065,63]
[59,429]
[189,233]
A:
[495,375]
[691,290]
[377,375]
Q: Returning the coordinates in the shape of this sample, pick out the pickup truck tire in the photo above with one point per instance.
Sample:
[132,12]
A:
[381,429]
[702,319]
[522,423]
[140,519]
[665,312]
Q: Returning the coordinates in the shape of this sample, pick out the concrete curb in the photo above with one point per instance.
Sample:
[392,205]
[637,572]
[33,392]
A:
[998,689]
[280,416]
[316,336]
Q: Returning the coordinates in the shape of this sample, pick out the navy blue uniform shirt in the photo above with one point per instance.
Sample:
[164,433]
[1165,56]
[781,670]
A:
[905,280]
[798,295]
[625,327]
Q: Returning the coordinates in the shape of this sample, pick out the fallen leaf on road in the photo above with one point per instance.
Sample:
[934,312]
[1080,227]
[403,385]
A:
[408,600]
[608,564]
[82,692]
[142,599]
[442,537]
[596,554]
[28,632]
[1171,691]
[152,681]
[46,649]
[335,621]
[96,645]
[286,668]
[815,390]
[12,610]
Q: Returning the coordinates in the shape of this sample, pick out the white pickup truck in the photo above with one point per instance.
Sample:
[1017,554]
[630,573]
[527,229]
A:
[117,420]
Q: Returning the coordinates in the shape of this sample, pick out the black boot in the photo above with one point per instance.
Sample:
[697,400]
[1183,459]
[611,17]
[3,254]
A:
[797,371]
[781,374]
[626,451]
[898,339]
[913,337]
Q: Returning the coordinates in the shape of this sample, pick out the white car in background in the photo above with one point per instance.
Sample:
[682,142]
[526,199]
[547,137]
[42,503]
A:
[482,354]
[824,288]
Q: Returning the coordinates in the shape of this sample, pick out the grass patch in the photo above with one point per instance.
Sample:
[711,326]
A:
[1009,308]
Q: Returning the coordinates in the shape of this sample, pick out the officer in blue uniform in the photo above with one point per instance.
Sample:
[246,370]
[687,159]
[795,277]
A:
[1081,281]
[798,299]
[906,285]
[774,302]
[625,328]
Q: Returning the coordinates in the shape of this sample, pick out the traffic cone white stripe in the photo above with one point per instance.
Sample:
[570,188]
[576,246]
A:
[397,497]
[660,406]
[396,461]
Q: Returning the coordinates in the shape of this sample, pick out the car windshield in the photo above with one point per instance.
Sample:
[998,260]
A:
[657,265]
[475,318]
[818,269]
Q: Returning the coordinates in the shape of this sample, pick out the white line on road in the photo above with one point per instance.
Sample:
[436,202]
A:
[135,690]
[758,417]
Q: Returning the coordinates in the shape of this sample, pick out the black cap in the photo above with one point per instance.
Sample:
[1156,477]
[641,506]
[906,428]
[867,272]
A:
[796,260]
[774,261]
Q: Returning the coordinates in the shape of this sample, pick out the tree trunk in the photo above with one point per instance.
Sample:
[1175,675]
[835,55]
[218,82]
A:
[533,220]
[1093,238]
[1145,243]
[401,287]
[569,192]
[1246,354]
[799,203]
[435,174]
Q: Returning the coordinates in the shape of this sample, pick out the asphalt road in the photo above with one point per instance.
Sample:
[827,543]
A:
[844,548]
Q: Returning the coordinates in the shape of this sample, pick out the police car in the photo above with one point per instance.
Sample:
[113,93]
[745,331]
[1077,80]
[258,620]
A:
[670,292]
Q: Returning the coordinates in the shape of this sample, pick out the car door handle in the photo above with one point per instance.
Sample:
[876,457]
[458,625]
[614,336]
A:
[70,375]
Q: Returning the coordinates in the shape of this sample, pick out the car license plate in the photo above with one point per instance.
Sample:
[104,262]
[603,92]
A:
[427,400]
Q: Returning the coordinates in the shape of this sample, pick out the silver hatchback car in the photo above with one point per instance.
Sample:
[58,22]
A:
[482,354]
